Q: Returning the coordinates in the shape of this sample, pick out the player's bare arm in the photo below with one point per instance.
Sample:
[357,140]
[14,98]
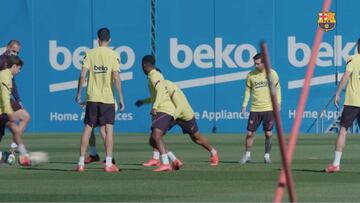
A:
[117,80]
[80,84]
[342,84]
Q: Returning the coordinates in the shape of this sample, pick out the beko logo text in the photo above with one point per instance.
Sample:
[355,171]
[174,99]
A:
[233,56]
[205,56]
[77,56]
[299,52]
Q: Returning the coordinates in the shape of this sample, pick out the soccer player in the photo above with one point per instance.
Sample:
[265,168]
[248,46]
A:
[163,110]
[94,156]
[261,107]
[20,113]
[7,115]
[102,63]
[186,120]
[351,109]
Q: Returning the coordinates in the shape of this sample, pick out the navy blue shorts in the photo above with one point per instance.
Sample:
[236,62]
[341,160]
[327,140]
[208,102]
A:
[99,114]
[348,116]
[162,121]
[15,105]
[255,119]
[188,127]
[3,120]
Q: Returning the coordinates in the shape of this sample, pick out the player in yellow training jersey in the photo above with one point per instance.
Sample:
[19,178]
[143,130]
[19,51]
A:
[7,115]
[351,109]
[261,107]
[186,120]
[102,63]
[163,110]
[20,113]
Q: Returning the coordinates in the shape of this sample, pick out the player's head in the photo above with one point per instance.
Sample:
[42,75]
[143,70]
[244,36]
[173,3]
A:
[148,63]
[103,35]
[259,62]
[358,46]
[14,64]
[13,47]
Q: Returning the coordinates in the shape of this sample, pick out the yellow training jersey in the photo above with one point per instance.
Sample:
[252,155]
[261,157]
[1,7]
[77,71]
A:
[5,88]
[101,62]
[352,95]
[257,86]
[159,94]
[183,108]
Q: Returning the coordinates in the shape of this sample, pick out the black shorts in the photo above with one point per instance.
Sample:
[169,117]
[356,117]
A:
[15,105]
[99,114]
[255,118]
[162,121]
[188,127]
[3,120]
[349,114]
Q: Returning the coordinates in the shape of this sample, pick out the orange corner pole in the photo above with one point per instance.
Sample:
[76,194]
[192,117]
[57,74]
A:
[301,105]
[279,128]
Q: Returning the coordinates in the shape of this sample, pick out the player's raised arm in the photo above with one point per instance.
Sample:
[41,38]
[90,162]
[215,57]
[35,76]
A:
[147,100]
[141,102]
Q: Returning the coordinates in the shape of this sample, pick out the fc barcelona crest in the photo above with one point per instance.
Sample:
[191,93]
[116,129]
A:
[326,20]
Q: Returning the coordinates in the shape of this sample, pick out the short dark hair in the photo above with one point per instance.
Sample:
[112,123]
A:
[149,59]
[13,41]
[358,46]
[14,60]
[103,34]
[258,56]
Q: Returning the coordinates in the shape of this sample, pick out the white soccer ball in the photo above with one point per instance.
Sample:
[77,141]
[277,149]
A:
[38,158]
[11,159]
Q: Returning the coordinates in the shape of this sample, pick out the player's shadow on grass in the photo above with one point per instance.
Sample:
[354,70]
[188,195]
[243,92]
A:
[226,162]
[238,162]
[322,171]
[91,170]
[131,164]
[63,162]
[48,169]
[75,163]
[309,170]
[132,169]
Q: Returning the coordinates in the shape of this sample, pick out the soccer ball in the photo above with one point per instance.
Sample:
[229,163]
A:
[38,158]
[11,159]
[8,158]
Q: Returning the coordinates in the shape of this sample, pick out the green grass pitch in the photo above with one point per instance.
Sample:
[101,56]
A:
[196,181]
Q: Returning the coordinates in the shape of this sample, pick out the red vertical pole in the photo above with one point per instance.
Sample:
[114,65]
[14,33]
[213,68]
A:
[301,105]
[280,132]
